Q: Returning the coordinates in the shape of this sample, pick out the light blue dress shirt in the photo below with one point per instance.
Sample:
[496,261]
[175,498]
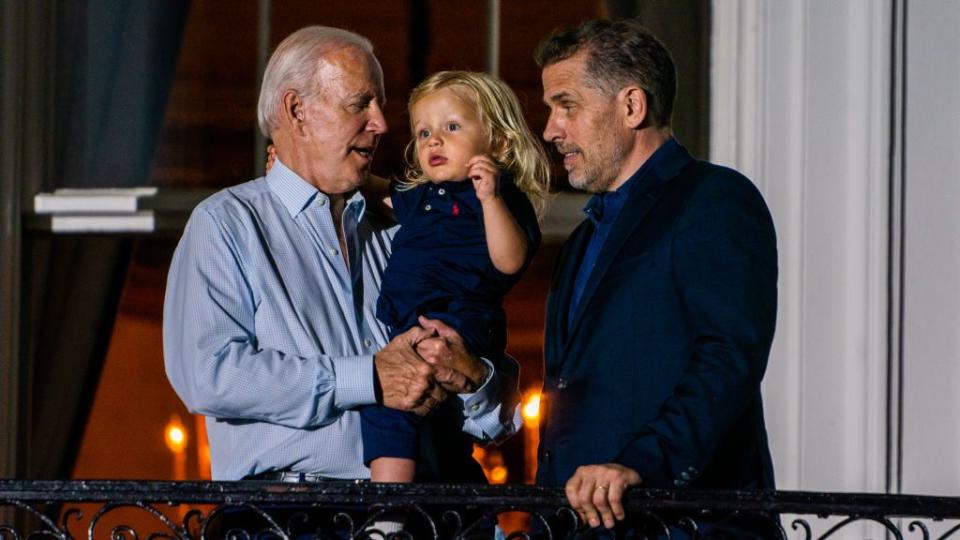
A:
[270,335]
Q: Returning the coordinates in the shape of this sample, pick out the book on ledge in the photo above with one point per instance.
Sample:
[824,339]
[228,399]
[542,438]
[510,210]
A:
[117,200]
[142,221]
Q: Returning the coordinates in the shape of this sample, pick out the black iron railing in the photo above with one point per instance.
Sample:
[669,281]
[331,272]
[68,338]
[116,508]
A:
[181,510]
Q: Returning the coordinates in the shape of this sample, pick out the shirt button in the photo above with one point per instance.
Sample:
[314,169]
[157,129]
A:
[428,208]
[323,202]
[442,191]
[546,456]
[367,343]
[332,251]
[475,408]
[678,482]
[562,383]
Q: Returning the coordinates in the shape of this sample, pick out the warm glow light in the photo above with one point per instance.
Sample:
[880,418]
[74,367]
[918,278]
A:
[498,475]
[479,453]
[175,436]
[531,409]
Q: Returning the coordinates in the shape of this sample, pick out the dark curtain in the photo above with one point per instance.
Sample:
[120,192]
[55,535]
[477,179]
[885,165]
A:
[115,65]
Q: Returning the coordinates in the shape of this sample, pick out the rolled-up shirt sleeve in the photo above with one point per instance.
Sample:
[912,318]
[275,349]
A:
[211,352]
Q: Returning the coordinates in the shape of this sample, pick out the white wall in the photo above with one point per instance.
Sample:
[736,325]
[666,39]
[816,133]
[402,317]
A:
[931,303]
[847,115]
[801,104]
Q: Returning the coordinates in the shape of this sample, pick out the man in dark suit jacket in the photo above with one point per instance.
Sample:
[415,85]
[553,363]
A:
[663,303]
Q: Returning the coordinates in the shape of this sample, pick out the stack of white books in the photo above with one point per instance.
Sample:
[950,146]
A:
[135,209]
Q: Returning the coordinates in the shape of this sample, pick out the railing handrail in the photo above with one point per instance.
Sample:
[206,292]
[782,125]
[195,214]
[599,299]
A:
[194,492]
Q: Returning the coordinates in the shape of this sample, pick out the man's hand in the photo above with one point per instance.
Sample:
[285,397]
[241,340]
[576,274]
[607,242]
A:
[458,370]
[271,157]
[406,381]
[596,492]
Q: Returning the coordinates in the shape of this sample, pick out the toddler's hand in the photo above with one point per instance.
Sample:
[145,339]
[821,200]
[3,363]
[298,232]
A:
[484,174]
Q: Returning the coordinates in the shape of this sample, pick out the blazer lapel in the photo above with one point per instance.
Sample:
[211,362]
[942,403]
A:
[639,202]
[561,291]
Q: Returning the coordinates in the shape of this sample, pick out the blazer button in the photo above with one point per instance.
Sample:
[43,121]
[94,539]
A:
[561,384]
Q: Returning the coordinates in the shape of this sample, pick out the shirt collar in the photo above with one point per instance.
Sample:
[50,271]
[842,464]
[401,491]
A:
[296,194]
[602,203]
[466,185]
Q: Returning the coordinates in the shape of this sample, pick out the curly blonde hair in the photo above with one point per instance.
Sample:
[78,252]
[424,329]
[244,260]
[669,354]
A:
[513,146]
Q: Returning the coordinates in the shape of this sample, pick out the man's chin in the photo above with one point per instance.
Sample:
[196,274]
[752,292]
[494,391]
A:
[361,175]
[577,181]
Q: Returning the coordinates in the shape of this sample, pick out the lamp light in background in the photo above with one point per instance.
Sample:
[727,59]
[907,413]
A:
[531,407]
[175,436]
[498,474]
[531,434]
[491,460]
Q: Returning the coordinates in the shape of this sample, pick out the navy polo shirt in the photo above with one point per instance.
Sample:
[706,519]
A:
[440,266]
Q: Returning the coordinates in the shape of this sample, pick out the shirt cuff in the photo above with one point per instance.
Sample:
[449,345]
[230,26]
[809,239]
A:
[482,410]
[354,382]
[482,400]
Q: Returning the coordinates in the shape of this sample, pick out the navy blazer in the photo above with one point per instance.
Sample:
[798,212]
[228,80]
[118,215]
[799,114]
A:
[661,367]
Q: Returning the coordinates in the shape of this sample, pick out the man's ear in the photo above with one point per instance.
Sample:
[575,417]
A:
[634,102]
[293,113]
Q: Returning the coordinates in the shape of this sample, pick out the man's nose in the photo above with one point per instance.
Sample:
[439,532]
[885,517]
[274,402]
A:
[377,122]
[552,130]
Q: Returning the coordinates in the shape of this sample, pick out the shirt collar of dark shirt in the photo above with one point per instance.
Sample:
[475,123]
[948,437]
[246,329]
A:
[605,207]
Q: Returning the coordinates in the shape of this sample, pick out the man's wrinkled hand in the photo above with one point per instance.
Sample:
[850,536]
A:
[271,157]
[457,369]
[596,492]
[407,382]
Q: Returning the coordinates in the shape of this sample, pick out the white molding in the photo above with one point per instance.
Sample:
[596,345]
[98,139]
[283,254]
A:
[736,83]
[724,82]
[877,51]
[931,249]
[865,236]
[801,105]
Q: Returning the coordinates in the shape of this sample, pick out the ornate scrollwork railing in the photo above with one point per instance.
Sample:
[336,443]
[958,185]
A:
[130,510]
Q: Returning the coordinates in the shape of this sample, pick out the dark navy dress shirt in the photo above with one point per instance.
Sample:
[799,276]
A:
[602,210]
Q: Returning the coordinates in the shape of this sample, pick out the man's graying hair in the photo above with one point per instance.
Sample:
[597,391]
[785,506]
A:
[619,53]
[293,66]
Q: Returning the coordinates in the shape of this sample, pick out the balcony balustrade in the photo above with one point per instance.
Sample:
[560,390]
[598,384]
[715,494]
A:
[122,510]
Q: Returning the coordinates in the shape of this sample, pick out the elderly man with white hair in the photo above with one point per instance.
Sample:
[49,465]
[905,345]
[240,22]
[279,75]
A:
[269,318]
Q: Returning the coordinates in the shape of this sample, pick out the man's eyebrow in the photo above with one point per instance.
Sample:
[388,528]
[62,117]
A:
[560,96]
[362,95]
[368,96]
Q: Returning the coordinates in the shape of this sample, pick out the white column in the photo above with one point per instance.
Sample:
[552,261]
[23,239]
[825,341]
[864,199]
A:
[801,105]
[931,302]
